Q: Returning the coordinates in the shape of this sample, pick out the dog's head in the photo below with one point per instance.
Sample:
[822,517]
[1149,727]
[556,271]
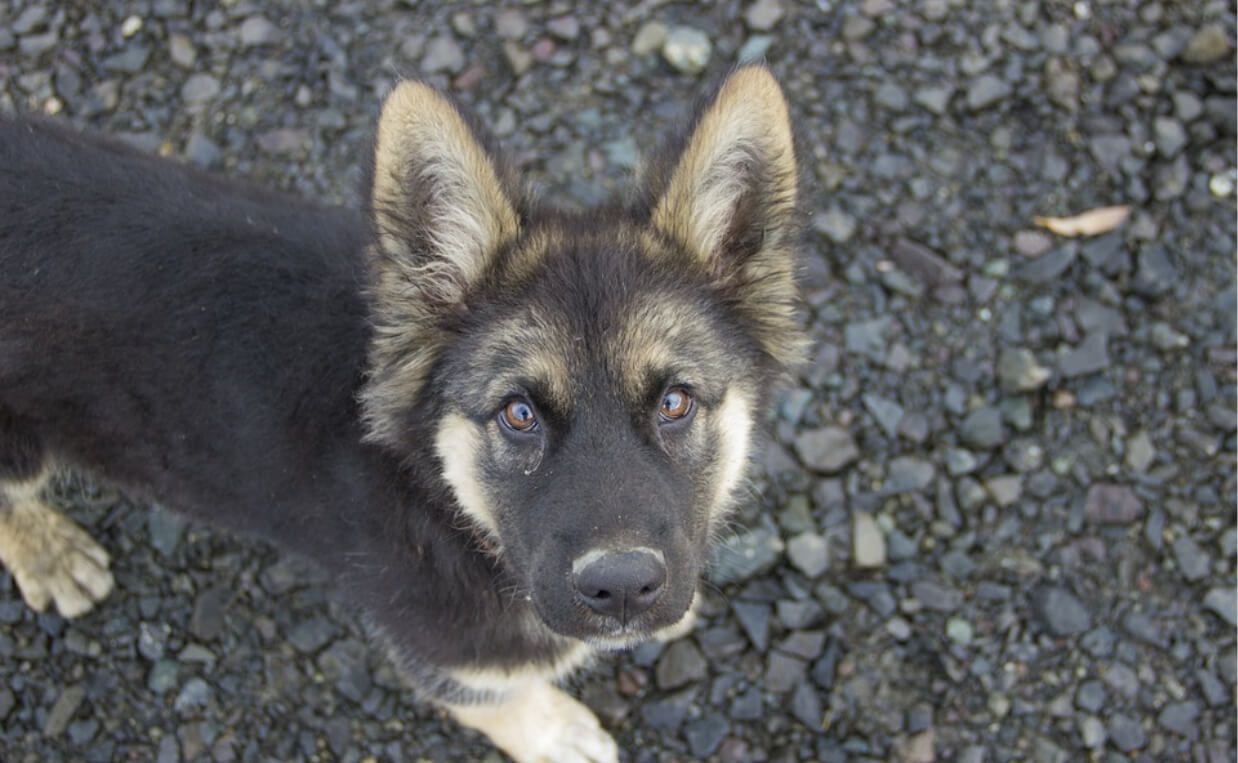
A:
[588,383]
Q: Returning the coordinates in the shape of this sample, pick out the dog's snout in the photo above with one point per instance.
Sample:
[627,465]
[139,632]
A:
[621,584]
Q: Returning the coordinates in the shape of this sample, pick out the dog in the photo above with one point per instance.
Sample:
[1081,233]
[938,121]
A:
[508,433]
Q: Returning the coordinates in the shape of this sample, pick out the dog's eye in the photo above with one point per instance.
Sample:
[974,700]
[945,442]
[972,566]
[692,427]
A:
[676,404]
[518,416]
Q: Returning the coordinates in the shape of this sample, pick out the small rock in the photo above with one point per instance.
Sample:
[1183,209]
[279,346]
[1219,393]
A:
[1019,371]
[744,555]
[982,428]
[62,711]
[1180,717]
[809,553]
[762,15]
[959,631]
[649,38]
[890,96]
[868,542]
[806,706]
[1091,356]
[1170,136]
[1224,602]
[987,90]
[1155,274]
[687,49]
[1209,44]
[510,24]
[1112,504]
[826,450]
[1140,452]
[834,223]
[1126,733]
[919,748]
[1061,611]
[518,58]
[1032,243]
[1004,490]
[960,461]
[162,676]
[934,99]
[705,735]
[442,55]
[311,635]
[194,695]
[908,475]
[754,619]
[1193,561]
[682,663]
[566,28]
[182,51]
[256,30]
[1090,696]
[783,672]
[285,141]
[754,48]
[207,620]
[200,88]
[1092,731]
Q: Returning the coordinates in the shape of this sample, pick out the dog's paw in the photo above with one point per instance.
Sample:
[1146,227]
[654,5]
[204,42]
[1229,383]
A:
[542,725]
[53,560]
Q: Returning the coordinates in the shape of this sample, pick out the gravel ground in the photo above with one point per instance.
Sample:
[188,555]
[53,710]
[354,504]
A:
[997,518]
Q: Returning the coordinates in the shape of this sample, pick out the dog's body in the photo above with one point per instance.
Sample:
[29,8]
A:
[508,434]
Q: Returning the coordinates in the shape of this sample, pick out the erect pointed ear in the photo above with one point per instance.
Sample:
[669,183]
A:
[729,199]
[443,208]
[440,200]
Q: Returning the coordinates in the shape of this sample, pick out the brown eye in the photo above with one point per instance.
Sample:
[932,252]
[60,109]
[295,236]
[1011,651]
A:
[518,416]
[676,404]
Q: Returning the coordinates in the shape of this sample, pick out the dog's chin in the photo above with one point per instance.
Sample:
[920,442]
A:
[604,633]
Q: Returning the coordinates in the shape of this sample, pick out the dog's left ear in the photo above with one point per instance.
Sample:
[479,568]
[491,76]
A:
[729,199]
[443,207]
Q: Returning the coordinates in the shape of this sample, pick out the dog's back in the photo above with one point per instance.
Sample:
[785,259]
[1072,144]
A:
[164,301]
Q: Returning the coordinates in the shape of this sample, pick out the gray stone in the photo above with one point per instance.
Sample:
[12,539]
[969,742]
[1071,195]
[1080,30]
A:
[165,528]
[826,450]
[1005,490]
[763,15]
[867,541]
[867,338]
[935,99]
[152,640]
[207,620]
[835,224]
[1210,43]
[62,711]
[566,28]
[1126,733]
[163,676]
[442,54]
[1090,696]
[889,95]
[1061,612]
[784,672]
[1180,718]
[257,30]
[1170,136]
[908,474]
[1092,731]
[687,49]
[1018,370]
[744,555]
[985,91]
[924,263]
[194,695]
[982,428]
[1048,267]
[182,51]
[1112,504]
[1091,356]
[754,48]
[704,735]
[1224,602]
[1140,453]
[1193,562]
[809,553]
[1155,274]
[937,597]
[511,24]
[960,461]
[311,635]
[681,664]
[649,38]
[200,88]
[806,706]
[754,619]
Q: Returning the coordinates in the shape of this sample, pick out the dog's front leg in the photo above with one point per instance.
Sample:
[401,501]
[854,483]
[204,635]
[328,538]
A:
[541,724]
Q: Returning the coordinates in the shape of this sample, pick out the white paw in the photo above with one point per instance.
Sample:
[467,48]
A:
[52,559]
[542,725]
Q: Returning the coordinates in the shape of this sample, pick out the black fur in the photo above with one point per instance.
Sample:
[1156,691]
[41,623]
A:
[203,342]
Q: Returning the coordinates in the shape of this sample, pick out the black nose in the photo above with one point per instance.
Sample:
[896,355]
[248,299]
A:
[622,585]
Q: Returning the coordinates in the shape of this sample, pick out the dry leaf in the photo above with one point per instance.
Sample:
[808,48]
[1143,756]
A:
[1090,223]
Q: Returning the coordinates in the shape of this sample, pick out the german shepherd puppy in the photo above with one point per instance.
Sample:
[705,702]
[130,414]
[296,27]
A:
[508,433]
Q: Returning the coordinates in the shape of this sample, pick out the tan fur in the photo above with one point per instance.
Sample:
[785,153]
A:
[541,724]
[425,154]
[747,125]
[51,558]
[732,425]
[457,444]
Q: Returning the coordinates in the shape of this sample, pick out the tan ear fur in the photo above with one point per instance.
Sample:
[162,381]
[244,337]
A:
[442,214]
[744,139]
[430,167]
[730,201]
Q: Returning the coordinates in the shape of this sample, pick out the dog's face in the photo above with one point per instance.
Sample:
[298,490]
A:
[589,384]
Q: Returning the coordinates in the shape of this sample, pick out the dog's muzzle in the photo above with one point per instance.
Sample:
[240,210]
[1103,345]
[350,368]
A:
[620,584]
